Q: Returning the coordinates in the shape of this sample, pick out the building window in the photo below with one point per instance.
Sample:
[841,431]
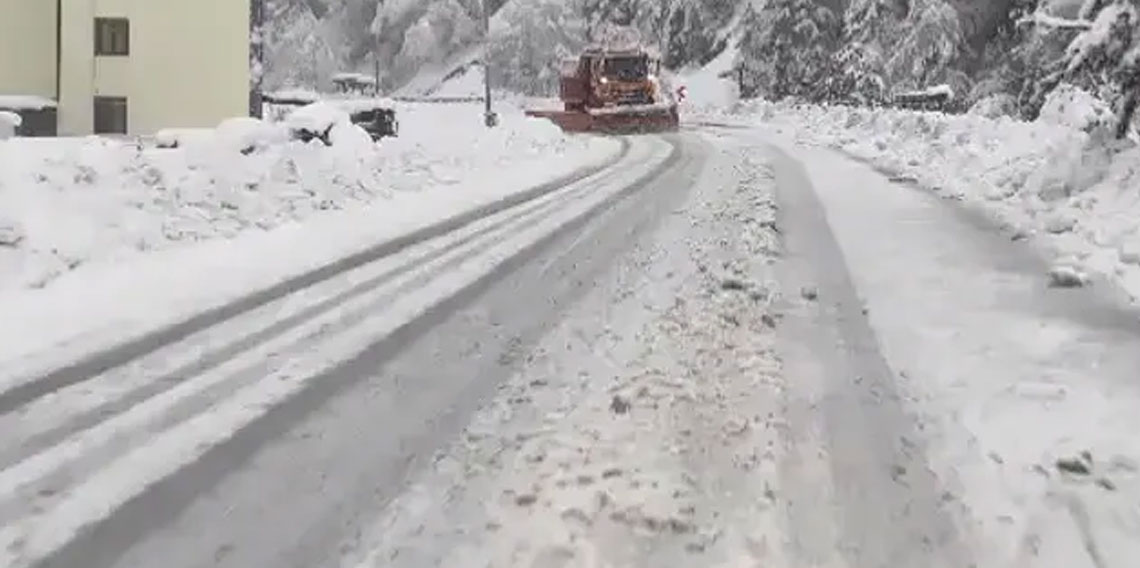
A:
[112,36]
[110,115]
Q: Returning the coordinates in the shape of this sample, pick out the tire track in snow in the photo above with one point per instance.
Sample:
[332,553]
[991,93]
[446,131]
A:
[882,504]
[19,391]
[53,418]
[259,412]
[51,467]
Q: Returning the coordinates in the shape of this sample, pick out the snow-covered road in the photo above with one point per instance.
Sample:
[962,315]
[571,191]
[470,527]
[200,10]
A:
[719,350]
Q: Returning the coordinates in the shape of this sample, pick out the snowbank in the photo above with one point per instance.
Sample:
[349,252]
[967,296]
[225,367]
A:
[9,123]
[25,102]
[1060,181]
[713,86]
[78,201]
[467,83]
[88,222]
[1041,455]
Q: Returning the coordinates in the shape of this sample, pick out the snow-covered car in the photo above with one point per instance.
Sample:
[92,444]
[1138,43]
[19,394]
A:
[377,116]
[378,120]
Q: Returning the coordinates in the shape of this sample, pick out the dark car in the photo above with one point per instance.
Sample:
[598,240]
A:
[378,121]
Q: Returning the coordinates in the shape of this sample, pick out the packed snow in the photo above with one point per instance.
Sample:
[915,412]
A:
[1035,434]
[467,83]
[1026,393]
[1060,181]
[9,123]
[86,218]
[711,87]
[627,438]
[25,102]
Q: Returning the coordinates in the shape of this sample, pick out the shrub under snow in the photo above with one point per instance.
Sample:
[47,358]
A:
[1075,108]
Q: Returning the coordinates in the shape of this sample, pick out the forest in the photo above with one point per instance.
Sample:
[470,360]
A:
[1007,55]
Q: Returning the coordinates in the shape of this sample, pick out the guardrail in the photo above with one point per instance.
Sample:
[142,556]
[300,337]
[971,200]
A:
[438,100]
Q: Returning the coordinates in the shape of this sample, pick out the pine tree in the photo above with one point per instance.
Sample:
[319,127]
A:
[299,49]
[533,38]
[1101,54]
[786,49]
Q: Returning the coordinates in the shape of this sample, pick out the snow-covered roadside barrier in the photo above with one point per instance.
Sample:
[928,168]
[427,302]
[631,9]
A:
[1060,181]
[97,221]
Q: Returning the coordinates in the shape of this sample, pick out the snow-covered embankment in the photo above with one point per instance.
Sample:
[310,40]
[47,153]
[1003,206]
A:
[88,222]
[1060,181]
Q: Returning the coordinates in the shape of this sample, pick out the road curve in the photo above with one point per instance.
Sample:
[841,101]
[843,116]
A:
[263,433]
[726,417]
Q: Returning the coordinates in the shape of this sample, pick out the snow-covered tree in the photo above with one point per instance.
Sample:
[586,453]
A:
[858,77]
[693,32]
[300,49]
[530,39]
[929,47]
[1107,55]
[686,32]
[1101,55]
[786,48]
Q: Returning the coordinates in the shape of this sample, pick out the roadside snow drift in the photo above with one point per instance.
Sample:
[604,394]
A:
[90,221]
[1061,179]
[73,201]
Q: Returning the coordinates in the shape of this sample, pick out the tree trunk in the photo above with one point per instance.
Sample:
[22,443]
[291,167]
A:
[1127,111]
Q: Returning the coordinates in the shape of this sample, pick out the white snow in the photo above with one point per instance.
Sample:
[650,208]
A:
[1098,34]
[628,437]
[317,117]
[94,221]
[1009,397]
[1011,380]
[468,83]
[712,86]
[155,448]
[9,122]
[935,90]
[1076,108]
[1041,18]
[25,102]
[1067,189]
[297,94]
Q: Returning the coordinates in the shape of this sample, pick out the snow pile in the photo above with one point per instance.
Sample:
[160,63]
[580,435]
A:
[467,83]
[1061,179]
[995,106]
[1076,108]
[69,202]
[712,86]
[25,102]
[9,122]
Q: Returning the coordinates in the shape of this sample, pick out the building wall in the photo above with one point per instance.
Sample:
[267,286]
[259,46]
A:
[192,65]
[77,68]
[188,63]
[27,47]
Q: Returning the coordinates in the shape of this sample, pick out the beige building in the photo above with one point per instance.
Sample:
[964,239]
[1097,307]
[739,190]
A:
[127,66]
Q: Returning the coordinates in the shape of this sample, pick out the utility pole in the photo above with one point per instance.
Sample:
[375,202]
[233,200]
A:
[489,117]
[257,19]
[376,74]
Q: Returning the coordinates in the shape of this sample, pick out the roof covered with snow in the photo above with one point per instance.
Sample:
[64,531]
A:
[25,102]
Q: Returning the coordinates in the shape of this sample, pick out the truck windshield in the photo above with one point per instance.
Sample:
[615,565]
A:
[626,68]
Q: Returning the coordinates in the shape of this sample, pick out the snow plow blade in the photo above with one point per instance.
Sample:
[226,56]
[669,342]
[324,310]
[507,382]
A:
[617,120]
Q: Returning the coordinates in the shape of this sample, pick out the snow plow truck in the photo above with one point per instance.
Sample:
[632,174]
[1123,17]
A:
[613,91]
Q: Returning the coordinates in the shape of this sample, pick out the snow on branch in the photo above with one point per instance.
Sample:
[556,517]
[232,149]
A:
[1042,19]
